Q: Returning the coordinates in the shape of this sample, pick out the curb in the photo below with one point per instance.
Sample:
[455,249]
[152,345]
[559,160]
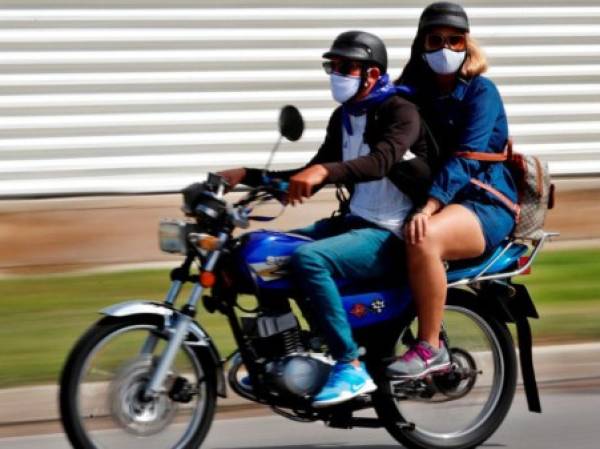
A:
[554,364]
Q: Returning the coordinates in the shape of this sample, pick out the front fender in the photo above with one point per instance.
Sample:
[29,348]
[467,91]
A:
[138,307]
[201,343]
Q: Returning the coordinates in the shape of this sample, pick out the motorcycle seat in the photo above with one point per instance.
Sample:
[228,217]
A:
[503,258]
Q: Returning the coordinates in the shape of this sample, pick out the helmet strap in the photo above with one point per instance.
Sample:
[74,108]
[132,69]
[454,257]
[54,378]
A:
[364,76]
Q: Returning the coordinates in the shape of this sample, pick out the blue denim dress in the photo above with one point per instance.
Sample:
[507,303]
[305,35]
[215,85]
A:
[472,118]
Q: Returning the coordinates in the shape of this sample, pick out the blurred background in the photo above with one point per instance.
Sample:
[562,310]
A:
[108,108]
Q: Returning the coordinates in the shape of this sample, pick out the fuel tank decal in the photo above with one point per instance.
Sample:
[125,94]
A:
[377,306]
[273,268]
[359,310]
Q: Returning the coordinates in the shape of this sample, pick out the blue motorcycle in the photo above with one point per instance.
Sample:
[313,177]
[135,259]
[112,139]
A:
[147,375]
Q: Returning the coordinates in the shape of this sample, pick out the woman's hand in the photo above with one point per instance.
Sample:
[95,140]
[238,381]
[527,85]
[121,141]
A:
[302,183]
[416,229]
[233,176]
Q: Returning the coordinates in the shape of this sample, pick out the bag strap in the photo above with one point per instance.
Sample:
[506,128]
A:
[506,155]
[480,156]
[503,198]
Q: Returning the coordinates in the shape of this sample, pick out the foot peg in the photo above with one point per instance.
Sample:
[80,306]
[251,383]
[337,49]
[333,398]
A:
[404,425]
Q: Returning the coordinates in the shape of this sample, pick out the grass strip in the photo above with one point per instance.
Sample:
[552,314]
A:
[41,318]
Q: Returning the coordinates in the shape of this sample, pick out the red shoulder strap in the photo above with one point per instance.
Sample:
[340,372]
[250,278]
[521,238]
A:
[488,157]
[480,156]
[503,198]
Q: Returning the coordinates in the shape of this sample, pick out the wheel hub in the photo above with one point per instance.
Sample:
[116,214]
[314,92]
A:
[459,381]
[128,405]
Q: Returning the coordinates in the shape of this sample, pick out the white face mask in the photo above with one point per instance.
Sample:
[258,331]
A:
[343,87]
[445,61]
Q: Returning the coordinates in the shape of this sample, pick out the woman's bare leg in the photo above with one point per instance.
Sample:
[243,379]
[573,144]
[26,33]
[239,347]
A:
[453,233]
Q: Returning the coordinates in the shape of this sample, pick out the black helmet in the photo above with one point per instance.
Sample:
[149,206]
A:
[359,46]
[444,14]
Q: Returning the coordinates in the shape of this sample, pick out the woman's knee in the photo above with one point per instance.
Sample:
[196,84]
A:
[427,246]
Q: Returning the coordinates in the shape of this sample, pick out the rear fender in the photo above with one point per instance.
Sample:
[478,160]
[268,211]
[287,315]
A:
[512,303]
[521,308]
[200,341]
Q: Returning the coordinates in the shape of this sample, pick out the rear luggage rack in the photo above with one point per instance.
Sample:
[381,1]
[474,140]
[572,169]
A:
[481,276]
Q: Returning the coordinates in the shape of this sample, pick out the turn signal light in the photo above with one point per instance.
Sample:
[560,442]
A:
[207,279]
[207,242]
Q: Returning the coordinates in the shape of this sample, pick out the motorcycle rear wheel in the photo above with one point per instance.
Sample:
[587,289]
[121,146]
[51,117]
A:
[100,390]
[458,419]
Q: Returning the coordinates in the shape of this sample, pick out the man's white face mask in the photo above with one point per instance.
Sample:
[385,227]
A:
[343,87]
[445,61]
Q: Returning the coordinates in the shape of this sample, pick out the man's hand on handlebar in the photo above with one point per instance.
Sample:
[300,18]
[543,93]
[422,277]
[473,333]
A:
[233,176]
[303,183]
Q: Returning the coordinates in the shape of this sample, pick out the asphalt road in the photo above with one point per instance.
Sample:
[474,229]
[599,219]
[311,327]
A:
[570,420]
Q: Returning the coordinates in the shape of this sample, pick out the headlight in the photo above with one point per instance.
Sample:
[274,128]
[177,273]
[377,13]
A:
[172,236]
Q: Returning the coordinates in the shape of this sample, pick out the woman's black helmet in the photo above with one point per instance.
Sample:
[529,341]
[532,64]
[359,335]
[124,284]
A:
[444,14]
[359,46]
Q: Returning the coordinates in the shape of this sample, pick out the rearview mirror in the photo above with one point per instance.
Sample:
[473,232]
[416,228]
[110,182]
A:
[291,124]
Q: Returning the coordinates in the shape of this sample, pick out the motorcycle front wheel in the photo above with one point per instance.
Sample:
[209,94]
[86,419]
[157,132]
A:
[101,389]
[463,408]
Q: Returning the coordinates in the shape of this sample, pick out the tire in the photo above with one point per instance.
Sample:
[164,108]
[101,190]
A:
[73,389]
[396,419]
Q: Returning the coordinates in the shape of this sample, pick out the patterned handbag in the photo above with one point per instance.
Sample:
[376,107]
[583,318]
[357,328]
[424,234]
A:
[535,189]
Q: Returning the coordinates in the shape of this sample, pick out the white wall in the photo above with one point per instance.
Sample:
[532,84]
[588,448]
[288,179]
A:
[117,96]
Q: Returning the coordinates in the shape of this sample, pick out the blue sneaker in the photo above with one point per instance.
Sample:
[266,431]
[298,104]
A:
[345,382]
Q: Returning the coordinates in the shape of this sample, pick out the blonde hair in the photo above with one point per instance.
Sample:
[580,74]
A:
[476,62]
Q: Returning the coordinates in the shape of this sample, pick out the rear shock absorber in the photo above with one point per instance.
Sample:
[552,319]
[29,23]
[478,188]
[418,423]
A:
[278,335]
[291,341]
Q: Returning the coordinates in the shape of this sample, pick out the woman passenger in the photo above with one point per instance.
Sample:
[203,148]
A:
[460,219]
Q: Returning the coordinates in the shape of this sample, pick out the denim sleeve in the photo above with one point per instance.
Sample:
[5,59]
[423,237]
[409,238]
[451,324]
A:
[453,177]
[482,107]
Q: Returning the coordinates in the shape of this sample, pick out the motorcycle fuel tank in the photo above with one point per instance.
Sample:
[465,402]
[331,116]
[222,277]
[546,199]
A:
[266,255]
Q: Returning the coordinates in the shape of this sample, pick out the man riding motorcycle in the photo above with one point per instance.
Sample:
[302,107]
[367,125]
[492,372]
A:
[377,146]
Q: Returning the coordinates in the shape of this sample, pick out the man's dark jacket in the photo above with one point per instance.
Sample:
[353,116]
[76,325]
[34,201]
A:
[392,128]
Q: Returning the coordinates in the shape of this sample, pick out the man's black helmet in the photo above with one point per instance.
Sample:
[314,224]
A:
[359,46]
[444,14]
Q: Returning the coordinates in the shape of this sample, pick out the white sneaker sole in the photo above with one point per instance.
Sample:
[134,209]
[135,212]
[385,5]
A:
[438,369]
[368,387]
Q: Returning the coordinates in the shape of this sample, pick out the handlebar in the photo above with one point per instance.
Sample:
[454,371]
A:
[278,184]
[270,189]
[206,200]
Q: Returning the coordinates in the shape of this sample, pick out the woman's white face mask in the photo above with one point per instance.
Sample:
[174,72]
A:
[343,87]
[445,61]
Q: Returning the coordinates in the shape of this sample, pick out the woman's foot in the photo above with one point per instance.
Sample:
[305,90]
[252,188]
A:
[420,360]
[346,381]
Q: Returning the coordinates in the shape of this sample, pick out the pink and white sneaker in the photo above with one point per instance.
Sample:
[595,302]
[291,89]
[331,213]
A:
[420,360]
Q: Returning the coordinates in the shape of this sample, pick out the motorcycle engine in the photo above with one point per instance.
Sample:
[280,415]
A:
[288,369]
[300,375]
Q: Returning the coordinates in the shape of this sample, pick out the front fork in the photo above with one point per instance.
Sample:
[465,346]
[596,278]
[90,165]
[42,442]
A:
[179,327]
[152,340]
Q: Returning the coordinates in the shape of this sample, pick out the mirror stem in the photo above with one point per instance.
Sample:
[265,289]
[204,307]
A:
[272,155]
